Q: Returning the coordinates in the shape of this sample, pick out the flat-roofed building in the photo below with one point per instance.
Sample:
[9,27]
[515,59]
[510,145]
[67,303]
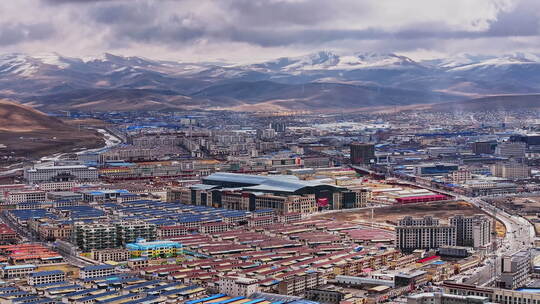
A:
[64,196]
[30,196]
[472,231]
[38,173]
[515,269]
[96,271]
[115,255]
[238,286]
[17,271]
[362,153]
[514,150]
[443,298]
[46,277]
[511,170]
[495,295]
[297,284]
[155,249]
[423,233]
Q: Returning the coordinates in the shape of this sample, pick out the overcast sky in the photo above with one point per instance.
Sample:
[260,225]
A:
[254,30]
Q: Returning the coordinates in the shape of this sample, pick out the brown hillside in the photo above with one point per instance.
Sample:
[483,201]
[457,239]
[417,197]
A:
[19,118]
[26,134]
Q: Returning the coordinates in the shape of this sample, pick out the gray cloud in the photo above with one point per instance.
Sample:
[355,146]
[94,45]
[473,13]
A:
[13,33]
[77,1]
[523,20]
[271,23]
[230,27]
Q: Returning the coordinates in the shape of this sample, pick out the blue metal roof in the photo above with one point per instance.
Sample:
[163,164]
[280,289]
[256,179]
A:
[46,273]
[147,299]
[216,296]
[230,300]
[97,267]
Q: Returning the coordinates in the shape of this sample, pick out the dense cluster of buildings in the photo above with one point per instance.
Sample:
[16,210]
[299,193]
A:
[261,209]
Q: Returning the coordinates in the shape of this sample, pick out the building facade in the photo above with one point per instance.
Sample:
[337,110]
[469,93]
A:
[472,231]
[60,173]
[362,153]
[515,270]
[423,233]
[238,286]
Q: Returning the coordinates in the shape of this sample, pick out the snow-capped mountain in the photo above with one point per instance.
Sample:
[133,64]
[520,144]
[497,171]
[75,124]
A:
[321,79]
[498,62]
[328,61]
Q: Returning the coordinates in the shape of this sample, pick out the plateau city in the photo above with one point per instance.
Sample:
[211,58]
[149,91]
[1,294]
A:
[269,151]
[235,207]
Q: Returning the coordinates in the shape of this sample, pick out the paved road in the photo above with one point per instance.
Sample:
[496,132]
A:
[520,235]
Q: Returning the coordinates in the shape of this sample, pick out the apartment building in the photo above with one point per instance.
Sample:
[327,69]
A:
[423,233]
[97,236]
[130,232]
[238,286]
[298,284]
[515,270]
[116,255]
[172,231]
[472,231]
[17,271]
[326,296]
[512,170]
[460,176]
[52,231]
[163,249]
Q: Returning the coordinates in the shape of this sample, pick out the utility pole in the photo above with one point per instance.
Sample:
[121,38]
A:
[372,217]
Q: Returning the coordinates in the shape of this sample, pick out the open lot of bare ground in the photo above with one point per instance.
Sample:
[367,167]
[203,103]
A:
[526,206]
[391,214]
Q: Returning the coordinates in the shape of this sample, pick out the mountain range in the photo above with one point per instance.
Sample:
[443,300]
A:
[320,81]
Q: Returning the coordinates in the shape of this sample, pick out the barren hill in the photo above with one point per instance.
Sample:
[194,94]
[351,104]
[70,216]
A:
[493,103]
[27,133]
[19,118]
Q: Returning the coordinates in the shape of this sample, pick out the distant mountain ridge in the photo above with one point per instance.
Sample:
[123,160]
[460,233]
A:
[322,80]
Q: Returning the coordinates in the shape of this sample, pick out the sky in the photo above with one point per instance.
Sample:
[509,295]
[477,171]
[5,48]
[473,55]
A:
[255,30]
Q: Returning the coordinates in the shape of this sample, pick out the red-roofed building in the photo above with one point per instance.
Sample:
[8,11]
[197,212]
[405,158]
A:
[7,235]
[421,199]
[430,259]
